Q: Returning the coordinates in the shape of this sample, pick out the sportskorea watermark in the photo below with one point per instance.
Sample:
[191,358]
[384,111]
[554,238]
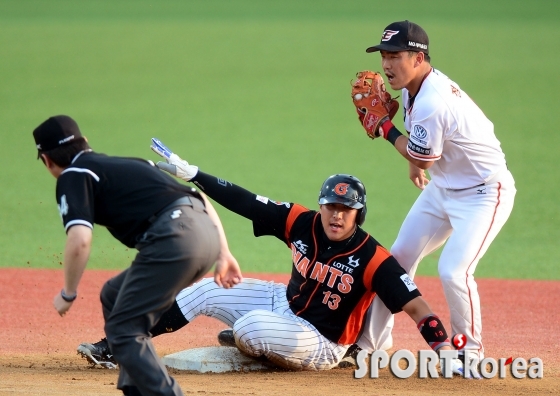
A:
[425,364]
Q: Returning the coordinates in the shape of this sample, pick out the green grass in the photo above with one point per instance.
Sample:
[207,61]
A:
[258,93]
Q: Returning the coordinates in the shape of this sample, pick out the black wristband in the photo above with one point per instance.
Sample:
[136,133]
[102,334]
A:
[393,135]
[433,332]
[66,297]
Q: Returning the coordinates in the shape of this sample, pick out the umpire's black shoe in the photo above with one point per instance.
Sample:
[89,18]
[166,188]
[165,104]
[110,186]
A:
[98,354]
[131,391]
[349,359]
[225,338]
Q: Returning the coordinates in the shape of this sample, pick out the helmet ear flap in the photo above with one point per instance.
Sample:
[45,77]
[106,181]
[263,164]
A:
[361,218]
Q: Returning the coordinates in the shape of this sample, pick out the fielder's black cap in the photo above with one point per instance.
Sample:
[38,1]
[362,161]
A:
[403,36]
[55,132]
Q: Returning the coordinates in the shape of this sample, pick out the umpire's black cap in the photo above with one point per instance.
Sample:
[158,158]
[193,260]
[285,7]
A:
[403,36]
[55,132]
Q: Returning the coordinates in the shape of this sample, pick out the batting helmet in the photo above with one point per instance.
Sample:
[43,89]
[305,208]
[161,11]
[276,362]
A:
[346,190]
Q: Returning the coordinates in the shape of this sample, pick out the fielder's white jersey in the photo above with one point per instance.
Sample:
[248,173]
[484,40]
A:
[447,127]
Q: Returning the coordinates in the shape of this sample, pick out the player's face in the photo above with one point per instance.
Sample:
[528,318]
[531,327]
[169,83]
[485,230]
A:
[399,68]
[339,221]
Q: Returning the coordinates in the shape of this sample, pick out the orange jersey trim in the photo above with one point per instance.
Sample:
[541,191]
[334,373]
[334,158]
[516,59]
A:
[310,265]
[381,254]
[354,324]
[292,216]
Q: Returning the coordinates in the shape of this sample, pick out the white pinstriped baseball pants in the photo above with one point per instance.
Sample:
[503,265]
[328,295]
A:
[263,323]
[468,220]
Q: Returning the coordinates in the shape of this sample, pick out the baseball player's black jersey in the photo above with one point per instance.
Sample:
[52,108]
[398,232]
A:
[118,193]
[333,283]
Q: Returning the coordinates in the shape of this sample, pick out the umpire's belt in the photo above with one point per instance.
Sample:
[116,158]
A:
[183,201]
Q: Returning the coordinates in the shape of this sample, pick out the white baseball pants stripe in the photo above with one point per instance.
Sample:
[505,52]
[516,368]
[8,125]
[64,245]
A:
[263,323]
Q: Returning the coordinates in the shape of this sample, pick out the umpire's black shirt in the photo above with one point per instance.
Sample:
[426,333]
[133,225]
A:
[118,193]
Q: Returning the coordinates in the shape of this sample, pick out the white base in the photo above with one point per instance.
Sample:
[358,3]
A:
[212,359]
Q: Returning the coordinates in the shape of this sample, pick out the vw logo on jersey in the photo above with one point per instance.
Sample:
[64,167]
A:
[420,132]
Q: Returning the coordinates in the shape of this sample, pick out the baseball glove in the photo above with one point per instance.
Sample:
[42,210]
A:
[373,103]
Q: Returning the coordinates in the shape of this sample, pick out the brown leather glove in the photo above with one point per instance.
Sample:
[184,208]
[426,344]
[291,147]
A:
[374,104]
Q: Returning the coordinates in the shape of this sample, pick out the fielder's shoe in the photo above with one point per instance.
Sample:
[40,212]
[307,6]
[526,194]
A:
[98,354]
[473,373]
[458,368]
[225,338]
[349,359]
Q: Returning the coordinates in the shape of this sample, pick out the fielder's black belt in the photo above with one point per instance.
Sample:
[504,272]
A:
[496,178]
[184,201]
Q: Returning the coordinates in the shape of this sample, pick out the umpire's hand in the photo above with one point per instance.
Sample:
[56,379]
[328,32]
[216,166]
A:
[227,272]
[62,306]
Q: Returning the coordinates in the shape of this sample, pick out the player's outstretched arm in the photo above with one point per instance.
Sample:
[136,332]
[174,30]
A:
[229,195]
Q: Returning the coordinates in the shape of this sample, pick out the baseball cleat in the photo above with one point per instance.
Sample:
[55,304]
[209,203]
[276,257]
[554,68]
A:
[472,374]
[349,359]
[98,354]
[458,368]
[225,338]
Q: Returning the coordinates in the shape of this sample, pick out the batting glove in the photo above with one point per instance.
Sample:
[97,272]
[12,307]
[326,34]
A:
[174,164]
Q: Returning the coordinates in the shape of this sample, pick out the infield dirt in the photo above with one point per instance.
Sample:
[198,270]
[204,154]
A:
[38,348]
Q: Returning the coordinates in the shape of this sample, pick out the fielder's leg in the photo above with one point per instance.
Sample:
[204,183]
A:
[424,230]
[476,219]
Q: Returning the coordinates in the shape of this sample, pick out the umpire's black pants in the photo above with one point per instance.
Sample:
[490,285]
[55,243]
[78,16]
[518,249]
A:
[177,249]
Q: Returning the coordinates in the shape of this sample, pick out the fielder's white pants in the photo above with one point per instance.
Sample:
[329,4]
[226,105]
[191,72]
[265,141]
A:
[469,220]
[263,323]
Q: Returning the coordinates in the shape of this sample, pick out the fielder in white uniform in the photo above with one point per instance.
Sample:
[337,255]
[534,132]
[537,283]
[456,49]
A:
[471,192]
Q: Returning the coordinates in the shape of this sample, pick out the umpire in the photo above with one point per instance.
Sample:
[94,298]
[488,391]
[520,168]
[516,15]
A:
[177,233]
